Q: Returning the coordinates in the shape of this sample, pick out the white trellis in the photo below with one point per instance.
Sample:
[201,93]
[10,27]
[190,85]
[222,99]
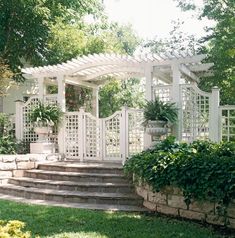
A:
[227,123]
[195,110]
[122,134]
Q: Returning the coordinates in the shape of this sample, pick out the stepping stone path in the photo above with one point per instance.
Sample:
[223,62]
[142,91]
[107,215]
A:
[90,185]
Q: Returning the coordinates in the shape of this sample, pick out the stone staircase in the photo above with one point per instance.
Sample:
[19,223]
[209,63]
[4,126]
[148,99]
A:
[89,185]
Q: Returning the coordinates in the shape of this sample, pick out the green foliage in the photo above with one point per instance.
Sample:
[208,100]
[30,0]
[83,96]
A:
[160,111]
[46,114]
[25,26]
[5,77]
[5,125]
[203,170]
[116,94]
[7,145]
[218,45]
[13,229]
[77,97]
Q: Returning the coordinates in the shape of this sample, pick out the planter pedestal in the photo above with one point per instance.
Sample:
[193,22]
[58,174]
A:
[42,148]
[156,129]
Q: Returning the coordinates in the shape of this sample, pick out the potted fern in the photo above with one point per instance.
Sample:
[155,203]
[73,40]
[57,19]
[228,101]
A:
[158,116]
[45,117]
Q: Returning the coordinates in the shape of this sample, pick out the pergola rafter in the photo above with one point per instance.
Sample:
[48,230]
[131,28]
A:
[91,70]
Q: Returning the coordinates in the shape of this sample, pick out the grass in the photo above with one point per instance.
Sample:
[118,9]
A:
[56,222]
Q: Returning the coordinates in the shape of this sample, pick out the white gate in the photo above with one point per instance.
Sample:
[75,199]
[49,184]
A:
[113,138]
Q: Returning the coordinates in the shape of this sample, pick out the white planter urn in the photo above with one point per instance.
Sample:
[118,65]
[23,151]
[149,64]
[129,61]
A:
[43,133]
[156,129]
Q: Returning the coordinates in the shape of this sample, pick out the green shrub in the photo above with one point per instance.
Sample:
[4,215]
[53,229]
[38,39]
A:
[203,170]
[13,229]
[7,145]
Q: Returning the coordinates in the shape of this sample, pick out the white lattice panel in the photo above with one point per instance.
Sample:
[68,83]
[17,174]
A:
[227,123]
[111,128]
[28,127]
[72,136]
[135,131]
[92,137]
[163,92]
[195,113]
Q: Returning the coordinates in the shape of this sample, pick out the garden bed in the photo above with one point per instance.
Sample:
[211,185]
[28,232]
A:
[194,181]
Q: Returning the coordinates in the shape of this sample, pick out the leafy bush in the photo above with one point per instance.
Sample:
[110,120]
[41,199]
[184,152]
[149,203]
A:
[5,125]
[13,229]
[9,145]
[158,110]
[203,170]
[46,115]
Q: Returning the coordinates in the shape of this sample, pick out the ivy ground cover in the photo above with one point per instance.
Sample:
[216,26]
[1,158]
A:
[56,222]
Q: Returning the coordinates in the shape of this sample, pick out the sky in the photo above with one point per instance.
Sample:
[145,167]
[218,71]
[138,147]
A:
[151,18]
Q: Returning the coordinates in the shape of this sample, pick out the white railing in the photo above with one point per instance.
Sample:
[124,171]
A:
[227,123]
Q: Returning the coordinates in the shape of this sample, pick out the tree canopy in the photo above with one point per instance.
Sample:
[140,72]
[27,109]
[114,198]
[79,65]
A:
[25,26]
[219,44]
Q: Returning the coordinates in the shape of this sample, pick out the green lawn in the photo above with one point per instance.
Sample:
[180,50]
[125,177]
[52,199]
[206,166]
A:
[75,223]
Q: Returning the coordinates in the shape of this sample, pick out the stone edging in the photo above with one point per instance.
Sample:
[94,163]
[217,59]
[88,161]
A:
[14,165]
[170,201]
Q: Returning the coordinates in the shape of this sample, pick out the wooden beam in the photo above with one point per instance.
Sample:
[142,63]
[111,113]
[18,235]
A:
[185,70]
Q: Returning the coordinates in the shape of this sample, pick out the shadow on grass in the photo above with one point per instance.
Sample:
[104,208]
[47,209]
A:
[69,222]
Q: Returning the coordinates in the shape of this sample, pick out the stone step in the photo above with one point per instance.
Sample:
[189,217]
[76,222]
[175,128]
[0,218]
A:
[73,186]
[105,207]
[72,196]
[103,168]
[77,177]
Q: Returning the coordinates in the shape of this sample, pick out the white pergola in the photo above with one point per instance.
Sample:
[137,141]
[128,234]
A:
[92,70]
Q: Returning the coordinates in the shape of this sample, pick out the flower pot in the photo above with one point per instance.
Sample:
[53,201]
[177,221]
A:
[43,133]
[156,129]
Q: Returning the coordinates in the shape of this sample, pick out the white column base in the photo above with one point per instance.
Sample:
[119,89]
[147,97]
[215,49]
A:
[42,148]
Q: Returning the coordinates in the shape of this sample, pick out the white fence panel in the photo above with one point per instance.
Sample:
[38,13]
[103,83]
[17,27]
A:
[227,123]
[135,131]
[195,109]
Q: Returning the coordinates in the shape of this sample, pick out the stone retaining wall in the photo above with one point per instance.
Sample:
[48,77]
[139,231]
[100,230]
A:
[170,201]
[14,165]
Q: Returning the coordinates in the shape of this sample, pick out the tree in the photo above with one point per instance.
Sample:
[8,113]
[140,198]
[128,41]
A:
[220,44]
[118,93]
[25,26]
[5,78]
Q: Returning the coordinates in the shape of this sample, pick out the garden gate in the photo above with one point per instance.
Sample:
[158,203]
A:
[111,138]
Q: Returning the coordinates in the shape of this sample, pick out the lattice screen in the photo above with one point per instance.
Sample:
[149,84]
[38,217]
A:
[195,113]
[228,123]
[163,92]
[112,136]
[135,131]
[72,136]
[28,131]
[92,137]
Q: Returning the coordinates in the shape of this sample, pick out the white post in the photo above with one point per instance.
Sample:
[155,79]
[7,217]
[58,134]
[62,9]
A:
[95,102]
[18,121]
[148,97]
[61,92]
[61,102]
[81,133]
[175,95]
[41,88]
[214,115]
[123,128]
